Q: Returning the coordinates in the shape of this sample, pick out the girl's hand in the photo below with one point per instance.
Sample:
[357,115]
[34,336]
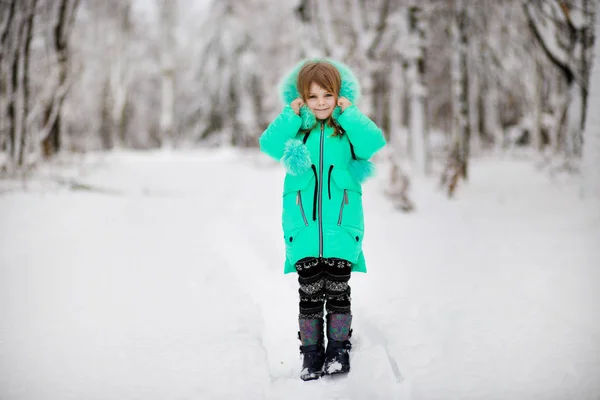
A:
[344,103]
[296,104]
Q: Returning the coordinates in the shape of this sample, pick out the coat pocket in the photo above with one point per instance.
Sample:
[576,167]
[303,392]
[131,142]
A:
[347,196]
[297,204]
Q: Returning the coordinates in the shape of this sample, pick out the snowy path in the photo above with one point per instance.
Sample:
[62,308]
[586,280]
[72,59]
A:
[171,287]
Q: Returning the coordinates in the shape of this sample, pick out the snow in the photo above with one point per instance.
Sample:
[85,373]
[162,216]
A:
[334,367]
[170,286]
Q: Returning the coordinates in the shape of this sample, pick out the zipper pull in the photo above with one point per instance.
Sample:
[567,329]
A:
[346,196]
[298,198]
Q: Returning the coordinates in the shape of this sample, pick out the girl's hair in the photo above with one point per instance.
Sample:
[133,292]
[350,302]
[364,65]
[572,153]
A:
[323,74]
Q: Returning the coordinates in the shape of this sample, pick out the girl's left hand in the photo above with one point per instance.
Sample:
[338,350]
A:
[344,103]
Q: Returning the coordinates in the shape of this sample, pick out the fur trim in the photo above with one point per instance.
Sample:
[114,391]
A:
[349,89]
[361,170]
[308,118]
[336,112]
[296,157]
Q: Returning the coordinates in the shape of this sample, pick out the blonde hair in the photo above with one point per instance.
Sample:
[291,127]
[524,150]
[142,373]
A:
[323,74]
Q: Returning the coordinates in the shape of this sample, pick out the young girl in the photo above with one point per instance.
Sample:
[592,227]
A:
[324,142]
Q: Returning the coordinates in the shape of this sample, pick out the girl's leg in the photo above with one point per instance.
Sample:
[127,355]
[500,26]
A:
[337,274]
[339,317]
[310,319]
[312,288]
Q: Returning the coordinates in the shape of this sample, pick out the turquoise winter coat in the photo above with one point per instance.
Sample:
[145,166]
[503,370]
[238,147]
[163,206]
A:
[322,195]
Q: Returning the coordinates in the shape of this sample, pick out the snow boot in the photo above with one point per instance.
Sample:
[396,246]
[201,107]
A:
[337,357]
[311,337]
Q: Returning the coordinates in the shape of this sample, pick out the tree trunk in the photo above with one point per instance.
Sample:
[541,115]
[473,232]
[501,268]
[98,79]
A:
[52,143]
[567,44]
[233,101]
[462,116]
[7,14]
[167,8]
[561,107]
[4,33]
[591,148]
[590,8]
[458,162]
[418,93]
[397,138]
[473,94]
[120,78]
[379,87]
[538,108]
[25,83]
[106,122]
[491,105]
[14,119]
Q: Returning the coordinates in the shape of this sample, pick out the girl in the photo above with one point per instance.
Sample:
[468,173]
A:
[324,142]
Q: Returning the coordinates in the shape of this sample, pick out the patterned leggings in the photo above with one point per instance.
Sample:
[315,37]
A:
[323,281]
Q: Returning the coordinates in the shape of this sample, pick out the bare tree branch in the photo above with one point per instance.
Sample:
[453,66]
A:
[561,65]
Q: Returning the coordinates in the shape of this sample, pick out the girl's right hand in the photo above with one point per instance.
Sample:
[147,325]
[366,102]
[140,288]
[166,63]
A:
[296,104]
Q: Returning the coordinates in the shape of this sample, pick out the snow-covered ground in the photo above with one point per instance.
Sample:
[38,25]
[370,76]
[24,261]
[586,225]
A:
[166,282]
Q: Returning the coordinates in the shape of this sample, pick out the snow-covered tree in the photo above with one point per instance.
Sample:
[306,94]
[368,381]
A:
[64,14]
[416,57]
[562,30]
[239,69]
[461,129]
[103,44]
[15,54]
[591,137]
[166,10]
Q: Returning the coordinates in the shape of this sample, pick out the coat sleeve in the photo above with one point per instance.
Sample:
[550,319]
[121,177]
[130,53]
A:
[364,134]
[284,127]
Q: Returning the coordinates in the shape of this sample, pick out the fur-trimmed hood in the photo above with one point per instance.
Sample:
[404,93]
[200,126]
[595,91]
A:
[288,90]
[296,157]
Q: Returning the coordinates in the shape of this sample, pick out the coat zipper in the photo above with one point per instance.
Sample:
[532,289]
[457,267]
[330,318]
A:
[344,201]
[321,189]
[299,203]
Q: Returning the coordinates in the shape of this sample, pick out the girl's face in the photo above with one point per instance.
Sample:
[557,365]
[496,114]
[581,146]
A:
[320,101]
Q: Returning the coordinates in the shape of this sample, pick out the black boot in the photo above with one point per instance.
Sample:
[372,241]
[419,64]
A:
[312,349]
[337,356]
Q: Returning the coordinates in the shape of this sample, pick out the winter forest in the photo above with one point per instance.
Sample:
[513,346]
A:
[446,80]
[141,225]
